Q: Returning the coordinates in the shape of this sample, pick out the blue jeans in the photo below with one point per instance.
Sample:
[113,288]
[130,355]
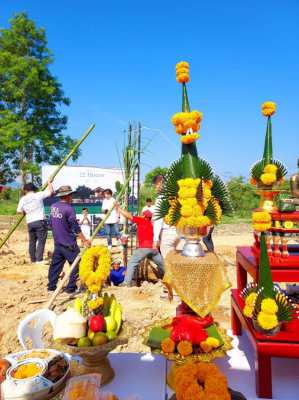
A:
[111,230]
[60,256]
[139,255]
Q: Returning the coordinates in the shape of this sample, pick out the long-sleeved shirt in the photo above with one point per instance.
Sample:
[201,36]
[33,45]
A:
[64,224]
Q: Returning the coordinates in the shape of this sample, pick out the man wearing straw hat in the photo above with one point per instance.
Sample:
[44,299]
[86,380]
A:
[65,232]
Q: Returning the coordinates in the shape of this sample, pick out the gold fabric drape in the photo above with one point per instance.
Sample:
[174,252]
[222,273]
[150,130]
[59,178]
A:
[199,281]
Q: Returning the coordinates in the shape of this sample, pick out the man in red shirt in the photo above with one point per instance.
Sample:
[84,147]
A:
[145,238]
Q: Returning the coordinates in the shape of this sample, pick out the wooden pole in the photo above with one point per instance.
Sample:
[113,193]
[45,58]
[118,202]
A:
[71,153]
[77,259]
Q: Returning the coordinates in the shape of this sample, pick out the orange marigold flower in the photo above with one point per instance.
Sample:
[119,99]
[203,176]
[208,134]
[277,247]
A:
[194,391]
[205,347]
[168,345]
[185,348]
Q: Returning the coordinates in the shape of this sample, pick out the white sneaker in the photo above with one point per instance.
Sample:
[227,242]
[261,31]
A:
[109,247]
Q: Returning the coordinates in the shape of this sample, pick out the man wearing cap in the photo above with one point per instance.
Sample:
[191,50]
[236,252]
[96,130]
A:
[65,232]
[145,236]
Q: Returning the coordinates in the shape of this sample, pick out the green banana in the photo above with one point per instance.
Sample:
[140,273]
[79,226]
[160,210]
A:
[106,304]
[78,305]
[118,317]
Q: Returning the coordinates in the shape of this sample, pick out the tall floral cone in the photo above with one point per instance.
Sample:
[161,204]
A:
[268,150]
[265,280]
[189,151]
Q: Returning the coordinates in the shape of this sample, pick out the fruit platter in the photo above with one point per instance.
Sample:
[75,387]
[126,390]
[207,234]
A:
[90,329]
[93,325]
[188,337]
[37,374]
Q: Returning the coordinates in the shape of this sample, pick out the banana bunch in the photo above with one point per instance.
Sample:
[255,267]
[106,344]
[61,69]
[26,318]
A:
[112,312]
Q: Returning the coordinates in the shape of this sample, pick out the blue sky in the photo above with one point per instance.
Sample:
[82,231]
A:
[116,62]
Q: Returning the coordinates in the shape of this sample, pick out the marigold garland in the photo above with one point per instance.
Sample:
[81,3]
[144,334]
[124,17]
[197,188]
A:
[182,72]
[192,208]
[202,381]
[183,121]
[185,348]
[92,275]
[168,345]
[262,221]
[267,321]
[268,108]
[269,306]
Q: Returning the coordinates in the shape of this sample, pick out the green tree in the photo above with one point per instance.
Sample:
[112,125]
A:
[243,196]
[148,180]
[31,121]
[83,192]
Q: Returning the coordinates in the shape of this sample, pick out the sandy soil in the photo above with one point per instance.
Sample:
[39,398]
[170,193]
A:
[22,282]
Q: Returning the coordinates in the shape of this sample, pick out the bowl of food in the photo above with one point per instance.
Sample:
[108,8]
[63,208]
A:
[27,369]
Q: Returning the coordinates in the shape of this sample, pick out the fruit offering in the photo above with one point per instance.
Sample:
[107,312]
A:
[186,335]
[4,366]
[98,321]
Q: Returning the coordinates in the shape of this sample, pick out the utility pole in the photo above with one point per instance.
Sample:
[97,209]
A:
[138,167]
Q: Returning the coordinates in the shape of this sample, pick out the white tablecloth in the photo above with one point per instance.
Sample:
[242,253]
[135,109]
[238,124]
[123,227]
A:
[139,374]
[239,368]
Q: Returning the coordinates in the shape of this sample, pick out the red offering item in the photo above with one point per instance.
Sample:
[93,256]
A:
[191,328]
[97,323]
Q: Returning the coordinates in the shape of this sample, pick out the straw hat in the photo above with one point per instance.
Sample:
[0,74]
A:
[64,191]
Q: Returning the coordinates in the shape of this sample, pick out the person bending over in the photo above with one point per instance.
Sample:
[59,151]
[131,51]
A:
[145,236]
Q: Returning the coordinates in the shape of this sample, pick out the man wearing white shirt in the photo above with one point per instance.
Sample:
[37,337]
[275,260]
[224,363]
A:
[32,206]
[111,225]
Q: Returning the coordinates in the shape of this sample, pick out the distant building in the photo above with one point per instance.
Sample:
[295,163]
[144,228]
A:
[93,177]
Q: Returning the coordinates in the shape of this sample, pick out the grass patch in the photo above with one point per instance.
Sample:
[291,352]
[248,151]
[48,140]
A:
[9,202]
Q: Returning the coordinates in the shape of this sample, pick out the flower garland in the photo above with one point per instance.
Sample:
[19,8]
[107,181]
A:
[199,381]
[268,108]
[92,276]
[187,120]
[267,312]
[192,205]
[182,72]
[261,220]
[267,317]
[249,304]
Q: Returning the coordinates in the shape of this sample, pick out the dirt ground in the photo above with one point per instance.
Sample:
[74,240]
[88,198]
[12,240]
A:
[22,282]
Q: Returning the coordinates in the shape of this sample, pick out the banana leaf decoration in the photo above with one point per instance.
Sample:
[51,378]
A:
[190,165]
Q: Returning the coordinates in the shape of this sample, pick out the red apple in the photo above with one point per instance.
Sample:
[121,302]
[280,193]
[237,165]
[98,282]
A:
[97,323]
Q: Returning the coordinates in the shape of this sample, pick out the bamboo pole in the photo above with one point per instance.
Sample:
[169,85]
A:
[77,259]
[71,153]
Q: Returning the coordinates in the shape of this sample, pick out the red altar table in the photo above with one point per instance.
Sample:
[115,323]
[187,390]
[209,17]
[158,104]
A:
[246,262]
[284,344]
